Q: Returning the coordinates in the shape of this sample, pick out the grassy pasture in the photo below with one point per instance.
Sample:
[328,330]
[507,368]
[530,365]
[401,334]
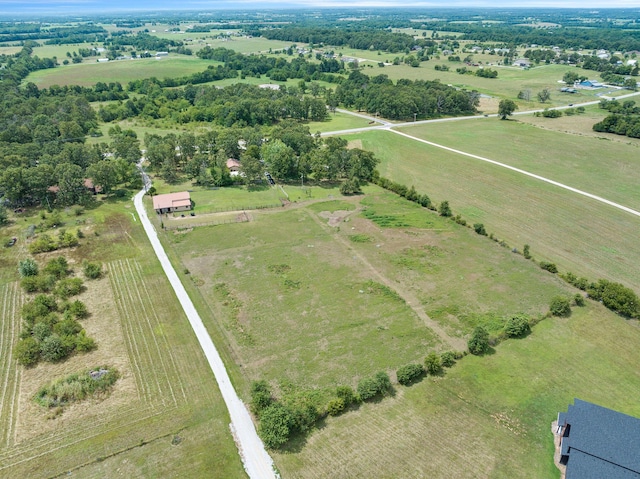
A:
[579,234]
[604,168]
[124,71]
[489,416]
[165,390]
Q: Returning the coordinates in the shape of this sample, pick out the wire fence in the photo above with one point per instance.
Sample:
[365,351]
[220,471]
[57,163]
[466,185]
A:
[203,210]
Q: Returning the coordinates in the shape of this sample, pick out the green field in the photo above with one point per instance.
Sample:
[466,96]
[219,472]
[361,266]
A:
[166,390]
[123,71]
[579,234]
[303,305]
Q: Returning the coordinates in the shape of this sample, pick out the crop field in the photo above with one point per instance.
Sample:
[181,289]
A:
[123,71]
[387,285]
[579,234]
[165,392]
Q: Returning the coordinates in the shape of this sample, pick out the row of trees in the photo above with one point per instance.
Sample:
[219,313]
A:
[624,120]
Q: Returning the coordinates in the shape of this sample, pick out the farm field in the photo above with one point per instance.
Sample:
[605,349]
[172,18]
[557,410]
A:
[582,236]
[304,305]
[165,408]
[605,168]
[123,71]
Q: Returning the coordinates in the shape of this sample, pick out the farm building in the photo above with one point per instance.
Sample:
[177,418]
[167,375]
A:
[591,84]
[597,442]
[172,202]
[522,62]
[234,166]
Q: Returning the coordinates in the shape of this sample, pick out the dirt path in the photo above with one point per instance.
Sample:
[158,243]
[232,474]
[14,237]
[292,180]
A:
[256,460]
[412,301]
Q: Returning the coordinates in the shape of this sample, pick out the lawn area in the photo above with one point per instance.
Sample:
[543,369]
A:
[605,168]
[123,71]
[489,416]
[338,121]
[163,414]
[579,234]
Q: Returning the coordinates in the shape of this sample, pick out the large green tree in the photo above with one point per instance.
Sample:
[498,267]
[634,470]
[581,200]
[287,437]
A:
[506,108]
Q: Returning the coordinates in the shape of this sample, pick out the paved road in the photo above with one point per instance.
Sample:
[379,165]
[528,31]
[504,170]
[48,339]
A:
[257,462]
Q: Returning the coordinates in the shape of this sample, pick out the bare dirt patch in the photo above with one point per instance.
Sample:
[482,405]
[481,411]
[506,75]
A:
[488,105]
[335,218]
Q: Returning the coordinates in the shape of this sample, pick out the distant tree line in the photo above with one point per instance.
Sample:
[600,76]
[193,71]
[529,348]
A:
[624,118]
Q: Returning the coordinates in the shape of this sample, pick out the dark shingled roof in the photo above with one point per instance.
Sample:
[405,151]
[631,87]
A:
[602,443]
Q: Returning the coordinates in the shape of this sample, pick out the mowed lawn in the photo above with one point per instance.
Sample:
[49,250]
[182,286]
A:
[488,417]
[123,71]
[579,234]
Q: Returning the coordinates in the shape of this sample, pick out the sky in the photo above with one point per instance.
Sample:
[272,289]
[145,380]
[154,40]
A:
[82,6]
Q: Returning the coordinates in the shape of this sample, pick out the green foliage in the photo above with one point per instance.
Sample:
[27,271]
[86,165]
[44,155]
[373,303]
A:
[616,297]
[525,252]
[76,387]
[276,425]
[38,284]
[448,359]
[84,343]
[347,394]
[551,113]
[335,406]
[58,267]
[517,326]
[360,238]
[579,299]
[92,270]
[27,268]
[78,309]
[479,228]
[372,387]
[260,397]
[53,348]
[42,244]
[551,267]
[409,373]
[444,209]
[560,306]
[350,187]
[27,351]
[433,364]
[478,344]
[506,108]
[68,287]
[580,283]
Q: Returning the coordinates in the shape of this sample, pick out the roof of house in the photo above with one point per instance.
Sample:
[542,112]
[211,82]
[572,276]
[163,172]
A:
[231,162]
[601,442]
[172,200]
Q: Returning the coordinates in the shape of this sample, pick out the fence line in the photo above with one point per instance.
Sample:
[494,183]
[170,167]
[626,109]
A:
[204,210]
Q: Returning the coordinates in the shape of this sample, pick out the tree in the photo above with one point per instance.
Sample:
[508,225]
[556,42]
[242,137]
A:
[478,344]
[560,306]
[479,228]
[525,252]
[27,351]
[276,423]
[92,270]
[570,78]
[433,364]
[53,348]
[27,267]
[103,174]
[544,95]
[251,167]
[506,108]
[280,159]
[444,209]
[517,326]
[409,373]
[631,84]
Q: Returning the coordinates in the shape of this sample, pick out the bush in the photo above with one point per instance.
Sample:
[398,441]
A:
[479,228]
[335,406]
[369,388]
[42,244]
[350,187]
[92,270]
[275,426]
[479,342]
[67,240]
[84,343]
[260,397]
[66,327]
[448,359]
[53,349]
[560,306]
[27,351]
[551,267]
[517,326]
[409,373]
[76,387]
[41,331]
[68,287]
[444,209]
[525,252]
[57,267]
[433,364]
[78,309]
[347,394]
[579,299]
[27,268]
[616,297]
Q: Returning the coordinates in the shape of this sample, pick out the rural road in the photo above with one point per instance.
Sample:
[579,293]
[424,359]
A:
[257,462]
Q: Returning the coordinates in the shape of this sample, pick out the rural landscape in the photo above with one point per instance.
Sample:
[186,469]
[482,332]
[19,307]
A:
[341,243]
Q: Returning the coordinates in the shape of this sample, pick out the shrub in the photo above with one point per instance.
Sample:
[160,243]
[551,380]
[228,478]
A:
[66,327]
[444,209]
[525,252]
[276,422]
[92,270]
[42,244]
[53,349]
[448,359]
[27,268]
[560,306]
[551,267]
[369,388]
[578,299]
[335,406]
[78,309]
[478,344]
[479,228]
[517,326]
[260,397]
[76,387]
[616,297]
[347,394]
[57,267]
[409,373]
[68,287]
[27,351]
[41,331]
[433,364]
[84,343]
[67,240]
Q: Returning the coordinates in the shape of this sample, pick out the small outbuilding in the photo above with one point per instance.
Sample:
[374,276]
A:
[171,202]
[591,84]
[234,166]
